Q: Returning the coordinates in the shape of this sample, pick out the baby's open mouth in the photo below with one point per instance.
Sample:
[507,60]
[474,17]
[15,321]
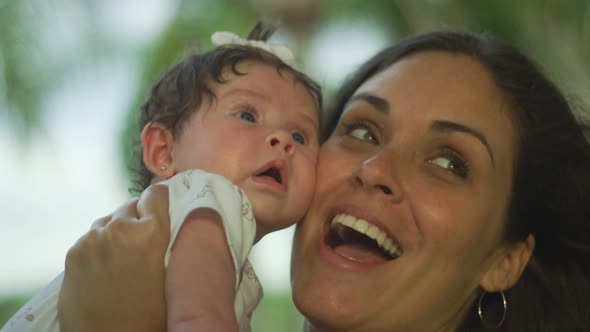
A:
[356,238]
[273,173]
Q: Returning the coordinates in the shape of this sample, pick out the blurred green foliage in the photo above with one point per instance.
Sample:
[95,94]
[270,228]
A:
[275,313]
[9,305]
[555,33]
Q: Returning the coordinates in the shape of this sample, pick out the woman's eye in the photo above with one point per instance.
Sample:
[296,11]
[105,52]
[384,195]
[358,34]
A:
[453,164]
[248,116]
[361,132]
[297,137]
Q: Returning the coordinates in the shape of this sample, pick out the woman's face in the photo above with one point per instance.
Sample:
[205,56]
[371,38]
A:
[422,160]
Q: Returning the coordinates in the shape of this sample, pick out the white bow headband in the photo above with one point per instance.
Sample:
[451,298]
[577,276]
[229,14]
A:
[223,38]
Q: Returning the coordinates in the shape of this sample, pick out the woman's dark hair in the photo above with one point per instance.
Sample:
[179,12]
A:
[179,92]
[551,184]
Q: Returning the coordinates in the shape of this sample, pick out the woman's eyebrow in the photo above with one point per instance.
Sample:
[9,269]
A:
[446,126]
[380,104]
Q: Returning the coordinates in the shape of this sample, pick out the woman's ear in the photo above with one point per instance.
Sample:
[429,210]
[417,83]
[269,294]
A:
[157,142]
[508,266]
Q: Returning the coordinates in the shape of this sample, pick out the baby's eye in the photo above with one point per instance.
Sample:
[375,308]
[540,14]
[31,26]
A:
[247,116]
[452,163]
[297,137]
[361,132]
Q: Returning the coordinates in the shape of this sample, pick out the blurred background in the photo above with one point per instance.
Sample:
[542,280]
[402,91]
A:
[73,72]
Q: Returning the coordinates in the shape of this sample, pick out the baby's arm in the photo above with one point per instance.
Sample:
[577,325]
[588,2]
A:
[200,279]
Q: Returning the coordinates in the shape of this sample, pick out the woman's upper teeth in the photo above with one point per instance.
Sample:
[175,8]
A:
[364,227]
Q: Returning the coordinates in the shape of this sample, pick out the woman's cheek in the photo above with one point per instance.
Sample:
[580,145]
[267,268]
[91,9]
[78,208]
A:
[333,159]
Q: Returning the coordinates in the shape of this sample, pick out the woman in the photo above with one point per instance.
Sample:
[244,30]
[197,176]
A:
[464,163]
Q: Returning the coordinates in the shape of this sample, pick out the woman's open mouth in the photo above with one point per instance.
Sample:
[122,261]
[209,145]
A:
[358,240]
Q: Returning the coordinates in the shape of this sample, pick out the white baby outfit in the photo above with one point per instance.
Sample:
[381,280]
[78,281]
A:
[188,191]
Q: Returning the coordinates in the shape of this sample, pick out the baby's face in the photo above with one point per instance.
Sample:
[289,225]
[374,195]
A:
[261,132]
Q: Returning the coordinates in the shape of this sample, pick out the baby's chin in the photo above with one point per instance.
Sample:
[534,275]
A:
[266,224]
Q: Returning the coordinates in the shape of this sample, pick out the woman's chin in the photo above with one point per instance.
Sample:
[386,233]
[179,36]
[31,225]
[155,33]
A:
[323,308]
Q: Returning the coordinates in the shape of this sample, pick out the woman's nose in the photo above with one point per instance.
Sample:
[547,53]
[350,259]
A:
[281,139]
[377,174]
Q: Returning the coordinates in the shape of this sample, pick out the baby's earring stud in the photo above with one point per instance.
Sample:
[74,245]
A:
[162,167]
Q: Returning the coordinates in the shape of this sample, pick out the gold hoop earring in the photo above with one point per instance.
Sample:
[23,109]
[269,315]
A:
[504,304]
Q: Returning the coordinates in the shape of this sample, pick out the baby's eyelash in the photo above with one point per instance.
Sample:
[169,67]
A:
[247,108]
[247,113]
[299,136]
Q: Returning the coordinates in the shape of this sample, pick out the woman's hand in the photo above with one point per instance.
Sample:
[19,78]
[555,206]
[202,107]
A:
[114,274]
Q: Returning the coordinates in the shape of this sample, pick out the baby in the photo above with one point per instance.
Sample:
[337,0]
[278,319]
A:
[234,133]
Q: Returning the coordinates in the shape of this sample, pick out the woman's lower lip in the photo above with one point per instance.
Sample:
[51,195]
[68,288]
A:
[343,261]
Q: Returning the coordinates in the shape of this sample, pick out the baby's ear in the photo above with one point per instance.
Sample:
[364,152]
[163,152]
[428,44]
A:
[157,142]
[508,266]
